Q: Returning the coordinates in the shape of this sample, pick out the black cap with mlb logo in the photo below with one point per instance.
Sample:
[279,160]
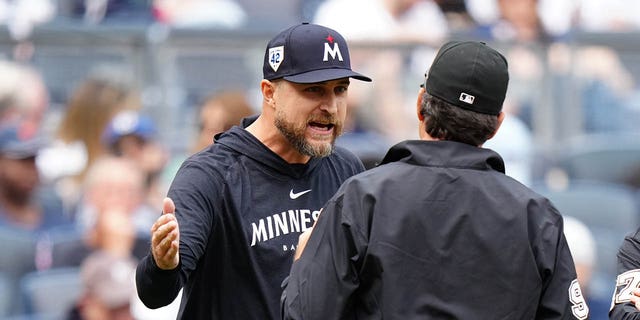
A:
[308,53]
[470,75]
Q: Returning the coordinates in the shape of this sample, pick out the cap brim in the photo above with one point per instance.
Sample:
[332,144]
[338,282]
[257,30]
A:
[23,150]
[325,75]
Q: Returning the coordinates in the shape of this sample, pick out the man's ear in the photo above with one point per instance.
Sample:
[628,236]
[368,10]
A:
[419,104]
[501,116]
[268,89]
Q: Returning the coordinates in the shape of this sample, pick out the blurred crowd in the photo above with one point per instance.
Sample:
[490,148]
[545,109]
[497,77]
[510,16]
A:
[81,187]
[83,197]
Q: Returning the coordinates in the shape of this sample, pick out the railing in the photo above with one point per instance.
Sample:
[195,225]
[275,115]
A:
[176,68]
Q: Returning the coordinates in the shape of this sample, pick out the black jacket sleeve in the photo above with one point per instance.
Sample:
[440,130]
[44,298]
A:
[322,282]
[562,296]
[194,212]
[627,280]
[156,287]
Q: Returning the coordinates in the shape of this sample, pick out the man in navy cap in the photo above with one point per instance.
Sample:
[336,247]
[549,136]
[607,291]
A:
[235,210]
[133,135]
[20,207]
[438,231]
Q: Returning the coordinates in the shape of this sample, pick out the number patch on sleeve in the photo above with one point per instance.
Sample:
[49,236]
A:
[579,309]
[625,284]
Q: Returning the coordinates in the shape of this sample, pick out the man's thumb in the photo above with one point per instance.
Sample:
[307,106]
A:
[168,206]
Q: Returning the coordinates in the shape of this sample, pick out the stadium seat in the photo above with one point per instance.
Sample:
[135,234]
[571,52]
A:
[5,295]
[18,248]
[51,293]
[602,157]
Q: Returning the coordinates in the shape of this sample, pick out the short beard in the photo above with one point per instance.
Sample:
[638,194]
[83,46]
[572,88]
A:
[18,196]
[296,136]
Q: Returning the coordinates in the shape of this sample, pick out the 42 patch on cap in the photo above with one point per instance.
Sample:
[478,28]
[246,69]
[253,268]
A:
[276,56]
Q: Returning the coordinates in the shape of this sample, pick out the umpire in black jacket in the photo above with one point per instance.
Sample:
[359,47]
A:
[438,231]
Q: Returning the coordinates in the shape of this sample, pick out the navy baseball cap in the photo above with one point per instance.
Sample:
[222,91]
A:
[470,75]
[308,53]
[129,123]
[16,143]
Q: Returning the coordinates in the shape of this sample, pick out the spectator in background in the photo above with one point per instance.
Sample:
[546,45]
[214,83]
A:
[77,142]
[457,15]
[583,249]
[226,14]
[27,209]
[520,21]
[607,89]
[21,17]
[508,20]
[519,24]
[24,96]
[557,18]
[20,205]
[108,288]
[607,16]
[514,142]
[132,135]
[115,224]
[115,184]
[24,102]
[112,216]
[385,20]
[106,11]
[594,74]
[218,113]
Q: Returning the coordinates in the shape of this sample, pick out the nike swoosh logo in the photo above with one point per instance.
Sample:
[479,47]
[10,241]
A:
[296,195]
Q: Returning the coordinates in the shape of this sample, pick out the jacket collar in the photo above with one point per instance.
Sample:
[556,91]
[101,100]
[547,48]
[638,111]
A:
[444,154]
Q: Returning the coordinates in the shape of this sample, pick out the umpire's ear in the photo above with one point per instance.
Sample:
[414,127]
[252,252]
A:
[501,116]
[419,104]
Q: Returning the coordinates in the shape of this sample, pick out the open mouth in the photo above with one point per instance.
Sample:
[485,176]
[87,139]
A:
[319,126]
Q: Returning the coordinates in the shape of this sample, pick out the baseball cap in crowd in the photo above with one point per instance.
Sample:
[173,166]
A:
[308,53]
[109,278]
[470,75]
[128,123]
[16,143]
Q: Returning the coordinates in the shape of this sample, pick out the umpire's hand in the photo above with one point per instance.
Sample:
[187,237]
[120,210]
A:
[165,237]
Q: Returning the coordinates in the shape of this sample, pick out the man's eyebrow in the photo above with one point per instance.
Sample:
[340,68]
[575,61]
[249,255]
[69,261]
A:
[344,81]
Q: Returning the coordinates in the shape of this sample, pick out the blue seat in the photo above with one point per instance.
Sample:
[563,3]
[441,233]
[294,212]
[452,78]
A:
[18,258]
[52,292]
[5,295]
[602,157]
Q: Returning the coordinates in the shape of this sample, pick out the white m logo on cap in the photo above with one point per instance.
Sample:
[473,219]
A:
[333,52]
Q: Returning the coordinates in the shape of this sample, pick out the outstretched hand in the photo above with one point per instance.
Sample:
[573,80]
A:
[165,238]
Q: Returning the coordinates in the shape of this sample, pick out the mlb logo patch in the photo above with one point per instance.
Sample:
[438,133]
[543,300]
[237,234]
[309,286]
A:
[276,56]
[467,98]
